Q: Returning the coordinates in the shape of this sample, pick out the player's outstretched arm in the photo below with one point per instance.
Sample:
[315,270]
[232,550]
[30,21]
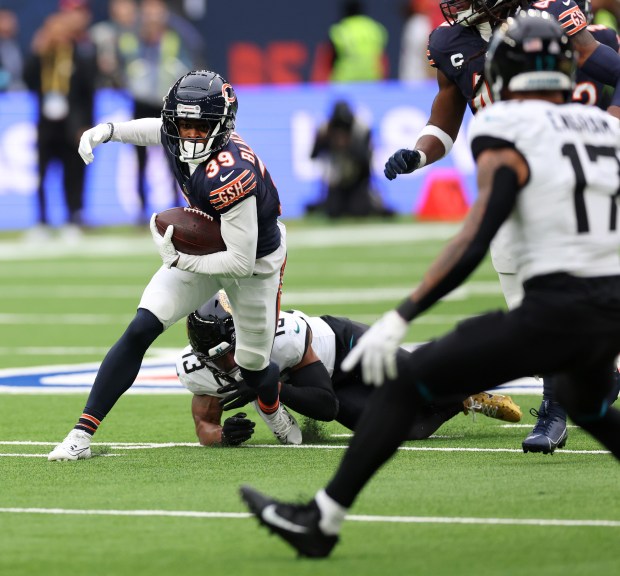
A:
[437,137]
[141,132]
[501,174]
[309,389]
[601,62]
[207,414]
[90,139]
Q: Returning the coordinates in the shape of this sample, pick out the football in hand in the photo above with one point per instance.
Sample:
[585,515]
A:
[195,232]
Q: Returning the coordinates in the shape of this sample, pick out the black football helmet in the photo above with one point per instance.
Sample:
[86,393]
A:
[530,53]
[472,12]
[205,96]
[210,329]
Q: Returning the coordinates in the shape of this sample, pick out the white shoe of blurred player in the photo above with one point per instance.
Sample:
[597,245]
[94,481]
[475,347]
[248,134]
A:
[38,234]
[282,424]
[71,234]
[76,446]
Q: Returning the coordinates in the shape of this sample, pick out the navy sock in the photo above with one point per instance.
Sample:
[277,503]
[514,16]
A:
[122,363]
[265,382]
[548,388]
[89,422]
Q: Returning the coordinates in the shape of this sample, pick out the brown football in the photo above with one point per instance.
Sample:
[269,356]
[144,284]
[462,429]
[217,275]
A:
[195,232]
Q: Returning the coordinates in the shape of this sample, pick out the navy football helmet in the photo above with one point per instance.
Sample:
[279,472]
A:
[472,12]
[204,97]
[530,53]
[210,329]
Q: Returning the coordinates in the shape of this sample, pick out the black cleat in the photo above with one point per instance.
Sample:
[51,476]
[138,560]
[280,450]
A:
[297,524]
[550,430]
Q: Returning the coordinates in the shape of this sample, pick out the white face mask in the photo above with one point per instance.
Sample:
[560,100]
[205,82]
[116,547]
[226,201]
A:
[192,150]
[485,31]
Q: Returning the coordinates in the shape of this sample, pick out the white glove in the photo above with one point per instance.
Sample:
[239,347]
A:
[377,349]
[100,134]
[166,248]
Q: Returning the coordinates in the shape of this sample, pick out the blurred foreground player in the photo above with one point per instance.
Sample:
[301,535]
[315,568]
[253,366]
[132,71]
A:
[457,51]
[222,176]
[551,171]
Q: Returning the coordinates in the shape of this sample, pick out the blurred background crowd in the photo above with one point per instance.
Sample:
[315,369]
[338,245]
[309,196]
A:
[65,51]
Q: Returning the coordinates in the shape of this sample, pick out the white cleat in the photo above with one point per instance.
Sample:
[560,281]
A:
[76,446]
[282,424]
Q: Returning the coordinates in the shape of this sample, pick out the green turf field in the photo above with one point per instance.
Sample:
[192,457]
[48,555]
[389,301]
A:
[154,502]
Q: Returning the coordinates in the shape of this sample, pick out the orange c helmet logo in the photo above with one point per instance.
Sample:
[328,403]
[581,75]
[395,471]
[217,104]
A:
[228,93]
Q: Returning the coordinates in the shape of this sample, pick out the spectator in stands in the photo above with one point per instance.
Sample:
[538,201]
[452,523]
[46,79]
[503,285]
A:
[358,46]
[153,59]
[107,36]
[62,72]
[11,59]
[413,63]
[344,144]
[193,41]
[606,12]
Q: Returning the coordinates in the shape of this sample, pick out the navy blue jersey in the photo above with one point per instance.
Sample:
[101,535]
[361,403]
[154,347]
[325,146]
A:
[459,51]
[587,90]
[566,12]
[228,177]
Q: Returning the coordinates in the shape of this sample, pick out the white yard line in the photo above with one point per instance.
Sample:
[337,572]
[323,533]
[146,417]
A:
[9,455]
[128,244]
[298,297]
[529,426]
[154,445]
[353,517]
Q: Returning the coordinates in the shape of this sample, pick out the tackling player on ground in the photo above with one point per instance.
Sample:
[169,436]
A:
[308,351]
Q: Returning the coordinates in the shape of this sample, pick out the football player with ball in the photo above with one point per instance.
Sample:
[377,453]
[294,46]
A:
[222,176]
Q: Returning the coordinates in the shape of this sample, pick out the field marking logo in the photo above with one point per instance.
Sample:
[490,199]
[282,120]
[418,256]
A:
[157,376]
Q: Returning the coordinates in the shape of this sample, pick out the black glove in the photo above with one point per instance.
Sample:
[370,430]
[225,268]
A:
[240,395]
[401,162]
[237,429]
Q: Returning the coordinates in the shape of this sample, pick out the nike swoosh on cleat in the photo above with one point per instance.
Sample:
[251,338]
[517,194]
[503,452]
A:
[224,178]
[270,516]
[76,452]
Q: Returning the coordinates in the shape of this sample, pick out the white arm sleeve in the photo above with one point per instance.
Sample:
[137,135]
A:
[239,227]
[141,132]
